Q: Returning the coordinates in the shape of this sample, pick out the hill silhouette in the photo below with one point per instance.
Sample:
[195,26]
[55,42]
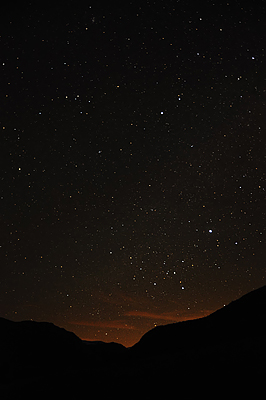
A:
[30,349]
[226,347]
[241,320]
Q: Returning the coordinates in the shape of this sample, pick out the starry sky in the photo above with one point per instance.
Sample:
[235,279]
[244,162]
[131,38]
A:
[132,162]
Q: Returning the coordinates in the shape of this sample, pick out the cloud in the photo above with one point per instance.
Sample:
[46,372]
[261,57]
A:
[104,324]
[167,316]
[172,316]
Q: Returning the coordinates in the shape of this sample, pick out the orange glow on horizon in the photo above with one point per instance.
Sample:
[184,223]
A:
[132,326]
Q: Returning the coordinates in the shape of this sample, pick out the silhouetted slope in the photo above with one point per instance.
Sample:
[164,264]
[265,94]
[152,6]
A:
[40,350]
[31,348]
[231,339]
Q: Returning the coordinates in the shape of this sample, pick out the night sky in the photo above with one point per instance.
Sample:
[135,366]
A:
[132,162]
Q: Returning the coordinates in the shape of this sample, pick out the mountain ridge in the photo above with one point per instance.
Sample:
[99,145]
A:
[228,344]
[225,323]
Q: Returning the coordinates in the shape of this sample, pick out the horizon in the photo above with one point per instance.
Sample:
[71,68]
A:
[168,319]
[126,340]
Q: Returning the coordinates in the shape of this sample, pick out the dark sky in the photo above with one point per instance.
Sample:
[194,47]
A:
[132,161]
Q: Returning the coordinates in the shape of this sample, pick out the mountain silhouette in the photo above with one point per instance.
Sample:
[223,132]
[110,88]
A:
[30,348]
[241,320]
[225,348]
[228,343]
